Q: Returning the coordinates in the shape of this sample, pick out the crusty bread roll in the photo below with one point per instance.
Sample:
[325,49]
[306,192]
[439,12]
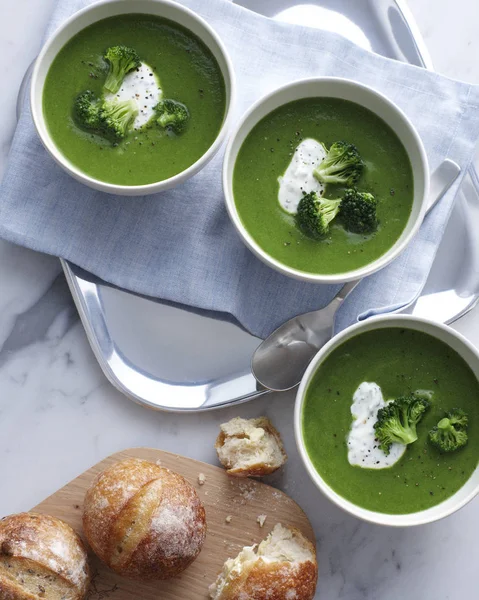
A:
[144,521]
[250,447]
[41,558]
[283,567]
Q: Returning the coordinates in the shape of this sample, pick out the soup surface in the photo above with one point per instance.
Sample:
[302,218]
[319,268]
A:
[399,361]
[265,156]
[187,71]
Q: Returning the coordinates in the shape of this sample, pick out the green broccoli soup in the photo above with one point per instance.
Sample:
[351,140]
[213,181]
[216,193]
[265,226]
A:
[134,99]
[323,185]
[391,420]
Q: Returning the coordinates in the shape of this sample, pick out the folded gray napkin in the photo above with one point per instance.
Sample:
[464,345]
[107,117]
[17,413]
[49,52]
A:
[180,245]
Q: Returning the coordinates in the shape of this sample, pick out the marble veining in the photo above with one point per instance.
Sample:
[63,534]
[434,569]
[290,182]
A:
[59,415]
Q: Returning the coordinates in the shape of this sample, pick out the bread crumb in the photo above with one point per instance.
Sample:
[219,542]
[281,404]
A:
[201,478]
[248,490]
[158,462]
[260,519]
[228,519]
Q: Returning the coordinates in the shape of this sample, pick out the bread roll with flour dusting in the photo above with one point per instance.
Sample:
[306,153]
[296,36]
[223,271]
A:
[41,558]
[144,521]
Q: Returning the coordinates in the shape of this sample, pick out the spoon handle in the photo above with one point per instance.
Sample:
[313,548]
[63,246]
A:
[342,295]
[347,289]
[441,180]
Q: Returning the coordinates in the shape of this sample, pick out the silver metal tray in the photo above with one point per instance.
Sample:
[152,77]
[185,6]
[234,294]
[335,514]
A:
[180,359]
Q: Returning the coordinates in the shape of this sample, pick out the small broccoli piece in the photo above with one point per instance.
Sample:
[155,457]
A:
[396,422]
[172,114]
[117,117]
[315,214]
[342,164]
[86,110]
[358,211]
[121,60]
[450,433]
[458,418]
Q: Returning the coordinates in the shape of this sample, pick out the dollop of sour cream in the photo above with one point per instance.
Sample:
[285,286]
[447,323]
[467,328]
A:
[363,449]
[298,177]
[143,86]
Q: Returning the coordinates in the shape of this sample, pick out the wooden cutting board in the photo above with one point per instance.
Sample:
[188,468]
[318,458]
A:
[242,499]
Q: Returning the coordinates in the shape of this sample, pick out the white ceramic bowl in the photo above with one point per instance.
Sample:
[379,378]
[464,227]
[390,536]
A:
[102,10]
[443,333]
[333,87]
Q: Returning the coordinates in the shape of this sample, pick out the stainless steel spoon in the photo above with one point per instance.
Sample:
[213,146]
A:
[281,360]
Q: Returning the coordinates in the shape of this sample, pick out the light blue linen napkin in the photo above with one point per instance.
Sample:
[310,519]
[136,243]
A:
[180,245]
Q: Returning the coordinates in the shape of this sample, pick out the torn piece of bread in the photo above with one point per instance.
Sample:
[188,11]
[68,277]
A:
[250,447]
[282,567]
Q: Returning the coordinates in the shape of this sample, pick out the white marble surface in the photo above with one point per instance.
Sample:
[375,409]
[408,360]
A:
[59,415]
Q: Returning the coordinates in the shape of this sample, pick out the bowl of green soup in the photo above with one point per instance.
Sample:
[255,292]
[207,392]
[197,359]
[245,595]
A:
[132,97]
[387,420]
[326,180]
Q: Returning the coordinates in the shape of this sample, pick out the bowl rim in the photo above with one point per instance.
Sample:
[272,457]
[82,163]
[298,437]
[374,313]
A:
[334,278]
[378,518]
[143,189]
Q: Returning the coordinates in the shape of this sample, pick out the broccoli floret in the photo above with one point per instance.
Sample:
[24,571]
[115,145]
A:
[172,114]
[397,421]
[117,117]
[358,211]
[342,164]
[458,418]
[86,110]
[450,433]
[110,119]
[121,60]
[315,214]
